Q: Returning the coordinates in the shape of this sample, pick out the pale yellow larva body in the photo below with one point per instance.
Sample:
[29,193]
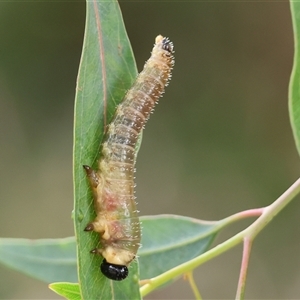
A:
[117,220]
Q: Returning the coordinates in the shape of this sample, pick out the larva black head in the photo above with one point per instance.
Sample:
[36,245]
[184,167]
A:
[112,271]
[167,45]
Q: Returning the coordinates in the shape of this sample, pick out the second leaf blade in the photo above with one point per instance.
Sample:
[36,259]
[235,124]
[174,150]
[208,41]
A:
[107,70]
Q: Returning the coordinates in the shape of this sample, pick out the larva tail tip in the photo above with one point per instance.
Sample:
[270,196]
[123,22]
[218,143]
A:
[166,43]
[158,39]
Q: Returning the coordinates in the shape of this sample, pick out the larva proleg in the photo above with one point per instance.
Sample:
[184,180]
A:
[117,220]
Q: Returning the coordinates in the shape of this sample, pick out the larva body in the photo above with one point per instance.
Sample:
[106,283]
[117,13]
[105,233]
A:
[113,184]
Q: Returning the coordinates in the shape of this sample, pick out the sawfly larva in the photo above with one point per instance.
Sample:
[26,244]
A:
[117,220]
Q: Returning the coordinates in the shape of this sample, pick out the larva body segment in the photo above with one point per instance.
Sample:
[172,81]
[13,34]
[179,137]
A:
[113,184]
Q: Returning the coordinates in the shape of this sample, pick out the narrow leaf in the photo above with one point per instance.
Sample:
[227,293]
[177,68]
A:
[294,88]
[107,70]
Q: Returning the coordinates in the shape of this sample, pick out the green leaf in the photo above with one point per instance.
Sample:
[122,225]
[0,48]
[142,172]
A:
[68,290]
[170,240]
[167,241]
[47,260]
[107,70]
[294,88]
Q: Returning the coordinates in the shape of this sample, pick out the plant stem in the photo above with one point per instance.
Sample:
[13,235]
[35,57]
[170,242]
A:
[244,268]
[193,285]
[267,214]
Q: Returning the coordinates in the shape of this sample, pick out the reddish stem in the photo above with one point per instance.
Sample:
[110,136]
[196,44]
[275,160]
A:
[244,268]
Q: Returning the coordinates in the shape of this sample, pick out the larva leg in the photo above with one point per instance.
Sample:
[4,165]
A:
[92,176]
[89,227]
[94,182]
[98,251]
[99,226]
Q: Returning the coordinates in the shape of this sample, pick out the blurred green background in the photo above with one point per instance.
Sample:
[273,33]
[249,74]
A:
[219,142]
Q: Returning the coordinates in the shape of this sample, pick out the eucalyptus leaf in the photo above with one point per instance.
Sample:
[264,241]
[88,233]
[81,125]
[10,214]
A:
[170,240]
[294,88]
[48,260]
[68,290]
[107,70]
